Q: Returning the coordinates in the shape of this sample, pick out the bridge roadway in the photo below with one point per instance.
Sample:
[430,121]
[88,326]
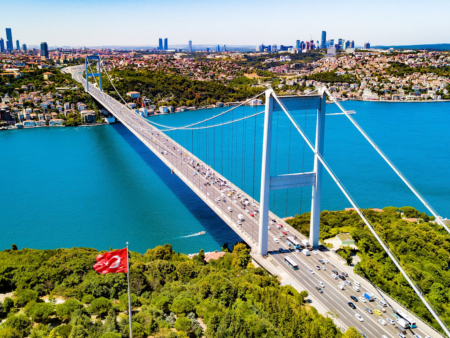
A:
[218,198]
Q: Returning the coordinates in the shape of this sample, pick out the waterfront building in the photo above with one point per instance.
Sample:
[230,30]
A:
[323,40]
[160,45]
[44,50]
[9,40]
[24,47]
[17,45]
[166,44]
[190,46]
[2,45]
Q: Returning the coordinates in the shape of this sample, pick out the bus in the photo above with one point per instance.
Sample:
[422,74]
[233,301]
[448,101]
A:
[401,315]
[292,242]
[291,263]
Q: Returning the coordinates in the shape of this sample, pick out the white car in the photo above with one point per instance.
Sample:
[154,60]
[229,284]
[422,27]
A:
[384,336]
[276,240]
[362,299]
[356,288]
[326,260]
[321,284]
[311,270]
[229,209]
[208,194]
[359,317]
[239,222]
[223,195]
[342,283]
[341,287]
[315,252]
[348,282]
[356,283]
[323,268]
[382,321]
[334,276]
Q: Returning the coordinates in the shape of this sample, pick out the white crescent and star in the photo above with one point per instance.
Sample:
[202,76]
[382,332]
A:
[116,264]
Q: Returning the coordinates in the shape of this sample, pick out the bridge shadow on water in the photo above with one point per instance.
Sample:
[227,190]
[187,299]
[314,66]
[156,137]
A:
[212,223]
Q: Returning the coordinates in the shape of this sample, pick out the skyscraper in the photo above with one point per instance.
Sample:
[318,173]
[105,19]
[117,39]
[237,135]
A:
[352,44]
[190,46]
[17,45]
[160,46]
[224,49]
[24,47]
[9,40]
[44,50]
[2,45]
[340,43]
[323,41]
[218,49]
[166,46]
[297,44]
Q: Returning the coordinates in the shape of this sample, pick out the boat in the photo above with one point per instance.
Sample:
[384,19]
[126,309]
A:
[201,233]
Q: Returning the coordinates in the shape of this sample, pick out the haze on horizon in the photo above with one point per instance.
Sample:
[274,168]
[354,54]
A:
[231,22]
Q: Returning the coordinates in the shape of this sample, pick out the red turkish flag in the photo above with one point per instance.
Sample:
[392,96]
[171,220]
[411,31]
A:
[112,262]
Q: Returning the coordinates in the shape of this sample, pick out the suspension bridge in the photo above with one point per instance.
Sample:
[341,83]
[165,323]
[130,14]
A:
[249,216]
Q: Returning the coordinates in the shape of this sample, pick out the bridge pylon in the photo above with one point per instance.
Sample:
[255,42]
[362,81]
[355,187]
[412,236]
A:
[313,179]
[99,69]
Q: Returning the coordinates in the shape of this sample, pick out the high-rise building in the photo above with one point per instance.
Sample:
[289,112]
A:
[2,45]
[166,44]
[352,44]
[190,46]
[207,49]
[17,45]
[224,48]
[343,43]
[274,48]
[323,41]
[331,42]
[160,45]
[297,44]
[366,45]
[24,47]
[44,50]
[340,43]
[9,40]
[218,49]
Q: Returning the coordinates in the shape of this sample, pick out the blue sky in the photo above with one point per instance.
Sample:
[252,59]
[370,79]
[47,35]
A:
[232,22]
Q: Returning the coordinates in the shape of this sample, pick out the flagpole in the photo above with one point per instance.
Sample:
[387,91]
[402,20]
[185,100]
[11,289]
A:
[129,296]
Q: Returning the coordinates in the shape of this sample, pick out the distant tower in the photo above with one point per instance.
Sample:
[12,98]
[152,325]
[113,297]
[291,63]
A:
[44,50]
[352,44]
[17,45]
[323,42]
[2,45]
[343,43]
[224,49]
[207,49]
[297,44]
[166,46]
[160,46]
[24,47]
[218,49]
[190,46]
[9,40]
[340,43]
[274,48]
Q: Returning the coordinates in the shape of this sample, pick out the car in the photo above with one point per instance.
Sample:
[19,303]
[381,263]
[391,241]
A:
[401,335]
[342,283]
[355,288]
[326,260]
[223,195]
[319,289]
[311,270]
[334,276]
[321,284]
[382,303]
[362,299]
[281,234]
[369,310]
[384,336]
[341,287]
[348,282]
[321,261]
[208,194]
[345,274]
[359,317]
[341,277]
[315,252]
[317,267]
[218,199]
[229,209]
[354,298]
[378,312]
[415,335]
[390,321]
[239,222]
[280,250]
[352,305]
[362,335]
[324,268]
[382,321]
[382,309]
[284,232]
[335,272]
[356,283]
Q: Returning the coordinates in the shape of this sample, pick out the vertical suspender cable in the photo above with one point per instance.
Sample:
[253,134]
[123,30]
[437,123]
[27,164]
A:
[276,161]
[289,164]
[303,164]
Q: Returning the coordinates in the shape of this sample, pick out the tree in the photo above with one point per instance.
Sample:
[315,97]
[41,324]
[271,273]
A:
[87,299]
[111,322]
[65,310]
[351,333]
[183,324]
[9,332]
[200,257]
[183,305]
[111,335]
[40,312]
[186,271]
[123,301]
[19,322]
[8,304]
[14,247]
[25,296]
[100,306]
[241,256]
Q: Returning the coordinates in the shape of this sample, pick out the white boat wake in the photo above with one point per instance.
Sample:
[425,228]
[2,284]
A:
[193,235]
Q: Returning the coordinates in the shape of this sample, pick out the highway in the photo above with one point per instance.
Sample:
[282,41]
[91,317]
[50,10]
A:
[228,201]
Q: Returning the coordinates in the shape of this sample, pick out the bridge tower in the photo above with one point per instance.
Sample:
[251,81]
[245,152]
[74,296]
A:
[314,178]
[98,74]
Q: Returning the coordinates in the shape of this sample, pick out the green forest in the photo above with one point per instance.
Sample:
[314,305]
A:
[171,294]
[175,90]
[422,248]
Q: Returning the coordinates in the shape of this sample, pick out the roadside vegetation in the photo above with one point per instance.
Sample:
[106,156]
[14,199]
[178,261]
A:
[172,296]
[422,247]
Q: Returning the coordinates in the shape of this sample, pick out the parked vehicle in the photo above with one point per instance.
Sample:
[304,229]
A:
[369,296]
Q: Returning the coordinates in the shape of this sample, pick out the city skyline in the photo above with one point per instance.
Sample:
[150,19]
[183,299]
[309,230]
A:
[114,24]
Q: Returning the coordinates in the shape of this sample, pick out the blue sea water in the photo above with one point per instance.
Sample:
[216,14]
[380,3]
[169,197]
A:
[100,186]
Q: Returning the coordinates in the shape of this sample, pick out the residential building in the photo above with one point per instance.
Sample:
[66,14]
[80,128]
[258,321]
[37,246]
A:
[9,40]
[134,95]
[190,46]
[2,45]
[166,44]
[323,43]
[44,50]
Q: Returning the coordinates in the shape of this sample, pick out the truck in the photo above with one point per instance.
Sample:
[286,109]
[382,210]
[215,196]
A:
[240,217]
[369,296]
[305,252]
[403,323]
[305,242]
